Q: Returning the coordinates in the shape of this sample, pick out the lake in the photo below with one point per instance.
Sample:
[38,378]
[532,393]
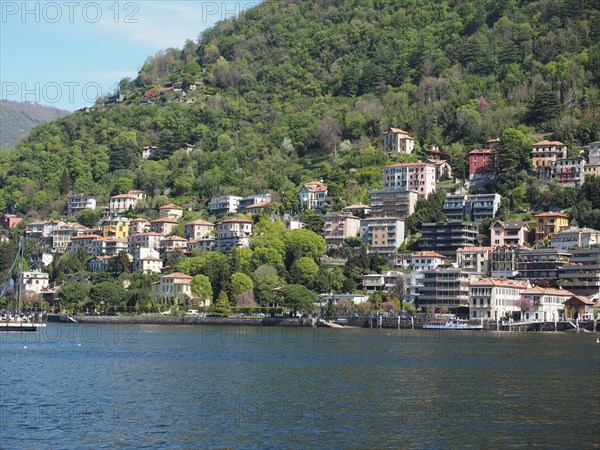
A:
[108,386]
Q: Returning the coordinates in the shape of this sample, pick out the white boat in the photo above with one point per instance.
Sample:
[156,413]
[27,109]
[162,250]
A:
[451,324]
[18,321]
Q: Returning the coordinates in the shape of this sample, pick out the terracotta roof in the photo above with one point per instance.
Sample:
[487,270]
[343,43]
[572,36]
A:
[583,300]
[473,249]
[140,219]
[427,254]
[200,222]
[164,220]
[551,214]
[409,164]
[487,151]
[236,219]
[499,282]
[403,133]
[135,191]
[174,238]
[547,291]
[171,206]
[493,140]
[545,143]
[178,275]
[150,233]
[150,258]
[315,186]
[131,196]
[258,205]
[87,236]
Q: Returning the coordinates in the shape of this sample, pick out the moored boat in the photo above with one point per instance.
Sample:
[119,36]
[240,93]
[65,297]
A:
[451,324]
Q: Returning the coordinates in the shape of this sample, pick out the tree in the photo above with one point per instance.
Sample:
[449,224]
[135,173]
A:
[221,307]
[120,263]
[238,284]
[89,218]
[524,304]
[304,271]
[107,292]
[543,107]
[74,294]
[303,242]
[298,297]
[515,148]
[265,279]
[331,312]
[202,290]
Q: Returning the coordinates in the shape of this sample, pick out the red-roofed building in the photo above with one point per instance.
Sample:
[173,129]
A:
[397,141]
[171,211]
[9,221]
[425,260]
[482,163]
[495,298]
[544,304]
[313,195]
[163,226]
[232,233]
[173,289]
[544,153]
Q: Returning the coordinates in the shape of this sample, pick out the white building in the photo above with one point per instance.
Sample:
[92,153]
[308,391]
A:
[571,238]
[495,298]
[382,235]
[474,259]
[147,240]
[35,282]
[224,204]
[547,303]
[77,203]
[313,195]
[425,260]
[198,229]
[397,141]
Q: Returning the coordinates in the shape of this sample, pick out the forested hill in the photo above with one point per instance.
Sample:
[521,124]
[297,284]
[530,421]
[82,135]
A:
[297,90]
[17,119]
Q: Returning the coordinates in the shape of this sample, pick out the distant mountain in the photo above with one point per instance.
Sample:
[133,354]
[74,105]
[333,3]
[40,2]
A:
[18,119]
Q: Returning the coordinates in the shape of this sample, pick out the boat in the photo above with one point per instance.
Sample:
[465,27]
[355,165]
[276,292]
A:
[451,324]
[16,320]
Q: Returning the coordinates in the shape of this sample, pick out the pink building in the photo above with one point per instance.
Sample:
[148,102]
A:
[515,232]
[9,221]
[397,141]
[339,227]
[419,177]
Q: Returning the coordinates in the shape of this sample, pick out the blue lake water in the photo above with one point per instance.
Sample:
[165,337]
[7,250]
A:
[105,386]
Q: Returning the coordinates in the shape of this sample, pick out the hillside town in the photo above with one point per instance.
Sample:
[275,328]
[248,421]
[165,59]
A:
[539,267]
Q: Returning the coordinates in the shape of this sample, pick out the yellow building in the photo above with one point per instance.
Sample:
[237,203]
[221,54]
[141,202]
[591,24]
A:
[174,288]
[546,224]
[115,228]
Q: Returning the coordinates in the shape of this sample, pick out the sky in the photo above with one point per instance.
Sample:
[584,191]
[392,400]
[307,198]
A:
[66,53]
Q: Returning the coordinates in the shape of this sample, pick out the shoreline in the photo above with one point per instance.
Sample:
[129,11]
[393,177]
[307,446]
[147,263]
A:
[350,323]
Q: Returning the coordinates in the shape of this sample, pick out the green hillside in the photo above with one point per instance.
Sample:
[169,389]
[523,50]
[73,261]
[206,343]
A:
[299,90]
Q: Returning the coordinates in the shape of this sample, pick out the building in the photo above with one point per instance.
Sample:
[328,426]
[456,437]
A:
[77,203]
[9,221]
[113,246]
[509,232]
[139,195]
[143,240]
[544,153]
[419,177]
[256,208]
[170,211]
[148,151]
[198,229]
[146,260]
[592,167]
[358,210]
[573,238]
[446,237]
[495,298]
[382,235]
[313,195]
[139,225]
[393,203]
[39,230]
[119,204]
[232,233]
[173,289]
[291,223]
[225,204]
[163,226]
[546,224]
[61,236]
[421,261]
[580,308]
[339,227]
[541,263]
[444,288]
[493,143]
[581,275]
[204,244]
[99,263]
[253,200]
[115,227]
[382,282]
[83,243]
[443,170]
[471,207]
[172,243]
[483,163]
[568,172]
[397,141]
[474,259]
[503,261]
[34,282]
[546,304]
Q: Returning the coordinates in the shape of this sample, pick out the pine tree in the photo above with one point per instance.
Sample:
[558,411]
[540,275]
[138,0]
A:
[221,307]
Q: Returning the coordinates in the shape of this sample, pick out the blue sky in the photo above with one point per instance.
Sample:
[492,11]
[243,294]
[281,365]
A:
[65,53]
